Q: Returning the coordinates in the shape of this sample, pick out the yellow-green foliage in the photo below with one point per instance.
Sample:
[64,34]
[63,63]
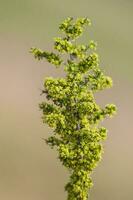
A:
[73,113]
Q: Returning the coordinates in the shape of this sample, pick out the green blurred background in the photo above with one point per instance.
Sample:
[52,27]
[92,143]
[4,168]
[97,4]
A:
[29,170]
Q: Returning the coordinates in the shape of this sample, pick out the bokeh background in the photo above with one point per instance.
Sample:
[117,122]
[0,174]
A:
[29,170]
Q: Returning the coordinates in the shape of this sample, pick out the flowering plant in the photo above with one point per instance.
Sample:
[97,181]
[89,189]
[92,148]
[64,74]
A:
[71,109]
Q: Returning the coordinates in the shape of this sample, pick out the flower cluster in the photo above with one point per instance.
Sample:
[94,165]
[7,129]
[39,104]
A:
[71,109]
[74,30]
[50,57]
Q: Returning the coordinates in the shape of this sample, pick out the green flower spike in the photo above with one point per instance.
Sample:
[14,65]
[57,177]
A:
[71,110]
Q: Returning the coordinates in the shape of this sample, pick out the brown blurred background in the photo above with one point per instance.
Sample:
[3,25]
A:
[29,170]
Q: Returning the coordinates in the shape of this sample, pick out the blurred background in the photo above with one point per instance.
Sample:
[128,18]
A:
[29,170]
